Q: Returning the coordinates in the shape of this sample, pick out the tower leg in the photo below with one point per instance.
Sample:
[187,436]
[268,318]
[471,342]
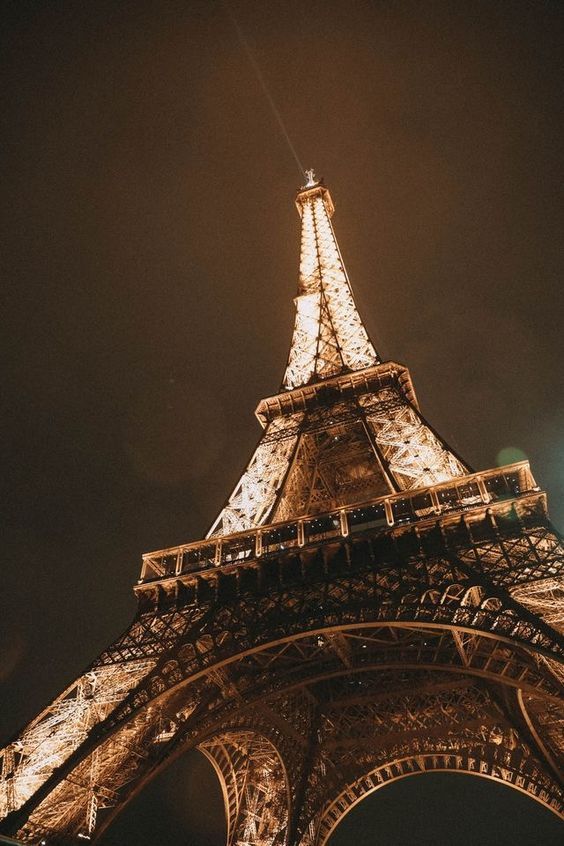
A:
[254,785]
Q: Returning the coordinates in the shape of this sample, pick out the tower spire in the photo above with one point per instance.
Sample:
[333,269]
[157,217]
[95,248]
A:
[329,336]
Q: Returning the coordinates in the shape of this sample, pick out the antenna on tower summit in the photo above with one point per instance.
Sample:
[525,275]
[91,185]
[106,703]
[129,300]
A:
[311,180]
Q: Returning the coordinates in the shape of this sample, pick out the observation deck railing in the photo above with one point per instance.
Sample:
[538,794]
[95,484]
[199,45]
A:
[455,495]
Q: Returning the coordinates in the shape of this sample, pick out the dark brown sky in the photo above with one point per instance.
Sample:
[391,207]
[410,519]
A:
[149,259]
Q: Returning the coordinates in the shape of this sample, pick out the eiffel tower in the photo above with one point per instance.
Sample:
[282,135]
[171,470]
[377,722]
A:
[364,608]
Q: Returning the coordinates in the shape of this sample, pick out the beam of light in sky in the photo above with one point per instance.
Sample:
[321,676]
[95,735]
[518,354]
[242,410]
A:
[254,64]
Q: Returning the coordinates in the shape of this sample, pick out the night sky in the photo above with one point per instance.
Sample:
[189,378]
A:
[149,260]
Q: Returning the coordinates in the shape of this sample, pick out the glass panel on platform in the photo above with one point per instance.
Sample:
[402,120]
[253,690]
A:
[402,510]
[169,563]
[281,537]
[422,504]
[325,526]
[502,486]
[469,492]
[238,548]
[368,517]
[198,557]
[448,498]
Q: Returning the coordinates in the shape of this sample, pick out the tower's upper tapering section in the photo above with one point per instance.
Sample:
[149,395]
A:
[329,336]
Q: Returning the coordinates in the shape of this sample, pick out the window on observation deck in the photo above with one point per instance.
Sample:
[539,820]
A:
[282,537]
[368,517]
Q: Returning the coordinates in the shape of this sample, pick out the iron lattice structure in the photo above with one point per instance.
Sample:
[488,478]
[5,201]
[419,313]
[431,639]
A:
[364,608]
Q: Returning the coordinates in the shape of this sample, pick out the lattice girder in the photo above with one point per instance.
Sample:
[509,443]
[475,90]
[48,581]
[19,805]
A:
[330,340]
[378,737]
[429,593]
[394,624]
[254,786]
[329,336]
[336,588]
[62,727]
[332,467]
[336,453]
[486,761]
[424,593]
[435,687]
[254,495]
[414,455]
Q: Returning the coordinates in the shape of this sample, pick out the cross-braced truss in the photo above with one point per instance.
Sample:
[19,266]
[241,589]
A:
[246,641]
[369,737]
[364,608]
[332,466]
[254,786]
[61,728]
[329,336]
[337,453]
[380,441]
[414,454]
[255,493]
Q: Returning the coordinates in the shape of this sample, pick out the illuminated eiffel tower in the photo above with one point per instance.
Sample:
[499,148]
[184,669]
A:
[364,608]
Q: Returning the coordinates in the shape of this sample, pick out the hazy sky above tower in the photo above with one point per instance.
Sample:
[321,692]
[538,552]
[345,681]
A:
[150,253]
